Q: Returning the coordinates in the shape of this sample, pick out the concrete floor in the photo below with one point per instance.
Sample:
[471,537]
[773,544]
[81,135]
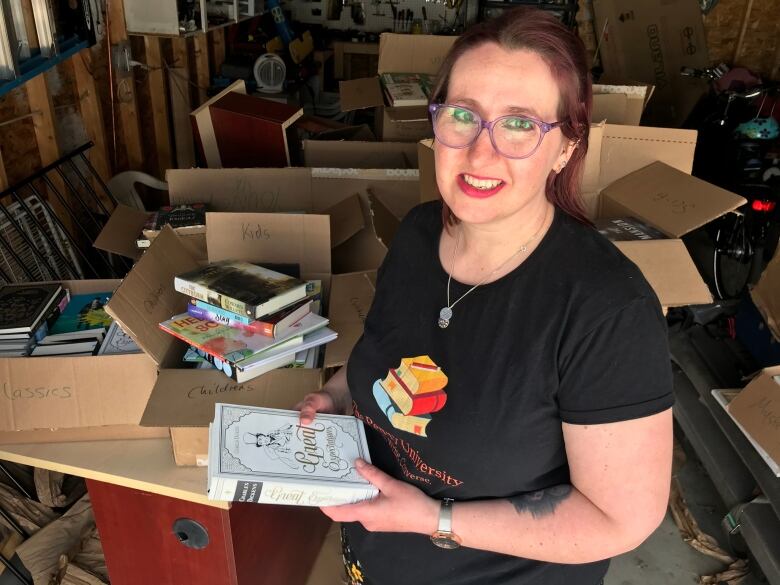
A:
[665,559]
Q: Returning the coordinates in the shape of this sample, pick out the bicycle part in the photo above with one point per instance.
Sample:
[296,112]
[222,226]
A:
[732,256]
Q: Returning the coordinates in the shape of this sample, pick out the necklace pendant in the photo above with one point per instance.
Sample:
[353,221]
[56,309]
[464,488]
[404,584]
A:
[444,317]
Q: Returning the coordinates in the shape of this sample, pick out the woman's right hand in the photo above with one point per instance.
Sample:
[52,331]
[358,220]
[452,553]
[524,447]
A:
[313,403]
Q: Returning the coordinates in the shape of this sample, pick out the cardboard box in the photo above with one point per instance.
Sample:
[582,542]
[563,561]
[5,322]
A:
[766,295]
[757,409]
[620,104]
[397,54]
[359,155]
[73,393]
[643,172]
[648,42]
[351,298]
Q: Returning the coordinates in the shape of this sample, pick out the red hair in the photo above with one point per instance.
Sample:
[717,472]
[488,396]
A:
[542,33]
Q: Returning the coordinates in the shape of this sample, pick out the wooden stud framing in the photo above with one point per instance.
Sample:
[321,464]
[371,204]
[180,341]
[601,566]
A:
[159,97]
[181,105]
[742,32]
[3,176]
[124,92]
[91,112]
[202,73]
[217,50]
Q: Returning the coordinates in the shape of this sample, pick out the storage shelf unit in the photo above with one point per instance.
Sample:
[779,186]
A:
[166,18]
[731,461]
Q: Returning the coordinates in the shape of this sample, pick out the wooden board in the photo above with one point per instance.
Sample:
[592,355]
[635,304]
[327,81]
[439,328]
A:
[217,46]
[178,81]
[92,112]
[202,72]
[159,99]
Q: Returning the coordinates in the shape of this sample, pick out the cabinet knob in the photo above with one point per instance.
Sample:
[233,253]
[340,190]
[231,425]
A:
[190,533]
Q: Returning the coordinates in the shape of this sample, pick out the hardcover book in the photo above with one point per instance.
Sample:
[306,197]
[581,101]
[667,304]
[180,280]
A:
[241,287]
[271,326]
[23,307]
[230,343]
[405,89]
[623,229]
[185,219]
[263,455]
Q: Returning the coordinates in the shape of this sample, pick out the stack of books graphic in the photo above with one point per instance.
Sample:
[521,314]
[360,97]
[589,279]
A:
[410,393]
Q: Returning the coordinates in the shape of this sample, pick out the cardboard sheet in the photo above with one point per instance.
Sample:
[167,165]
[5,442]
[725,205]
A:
[352,295]
[757,409]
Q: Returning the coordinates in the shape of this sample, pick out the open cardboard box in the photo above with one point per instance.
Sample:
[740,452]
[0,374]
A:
[349,154]
[757,409]
[620,103]
[397,54]
[766,295]
[643,172]
[76,398]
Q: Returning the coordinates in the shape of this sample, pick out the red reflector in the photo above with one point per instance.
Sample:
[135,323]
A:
[764,206]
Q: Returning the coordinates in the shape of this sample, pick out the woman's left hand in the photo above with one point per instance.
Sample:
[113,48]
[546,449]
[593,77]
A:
[399,507]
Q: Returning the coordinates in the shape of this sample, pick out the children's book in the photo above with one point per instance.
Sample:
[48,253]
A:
[274,325]
[230,343]
[117,342]
[241,287]
[265,456]
[83,312]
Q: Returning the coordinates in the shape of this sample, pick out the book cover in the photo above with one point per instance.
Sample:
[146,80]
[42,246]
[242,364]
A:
[24,306]
[117,342]
[270,326]
[83,312]
[411,423]
[230,343]
[241,287]
[623,229]
[284,357]
[403,93]
[408,402]
[263,455]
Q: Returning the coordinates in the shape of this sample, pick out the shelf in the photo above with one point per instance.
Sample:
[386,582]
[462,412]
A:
[729,475]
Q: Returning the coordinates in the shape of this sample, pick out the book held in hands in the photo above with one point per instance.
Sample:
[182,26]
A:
[264,455]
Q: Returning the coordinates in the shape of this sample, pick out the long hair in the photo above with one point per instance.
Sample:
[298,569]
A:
[542,33]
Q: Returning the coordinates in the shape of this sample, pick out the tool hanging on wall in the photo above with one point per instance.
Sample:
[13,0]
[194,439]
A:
[358,12]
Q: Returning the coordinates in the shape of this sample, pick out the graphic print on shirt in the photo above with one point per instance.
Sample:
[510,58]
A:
[411,393]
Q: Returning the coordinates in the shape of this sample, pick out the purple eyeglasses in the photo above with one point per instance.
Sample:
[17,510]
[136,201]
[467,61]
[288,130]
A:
[513,136]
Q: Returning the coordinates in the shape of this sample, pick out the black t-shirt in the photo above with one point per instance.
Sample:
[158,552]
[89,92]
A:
[574,334]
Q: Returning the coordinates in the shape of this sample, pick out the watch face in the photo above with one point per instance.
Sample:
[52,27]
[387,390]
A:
[445,540]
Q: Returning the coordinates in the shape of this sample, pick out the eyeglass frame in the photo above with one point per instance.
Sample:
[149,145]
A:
[545,127]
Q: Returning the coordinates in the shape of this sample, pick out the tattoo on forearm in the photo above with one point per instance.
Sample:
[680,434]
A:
[543,502]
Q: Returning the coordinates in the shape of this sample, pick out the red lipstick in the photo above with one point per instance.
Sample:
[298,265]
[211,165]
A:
[478,193]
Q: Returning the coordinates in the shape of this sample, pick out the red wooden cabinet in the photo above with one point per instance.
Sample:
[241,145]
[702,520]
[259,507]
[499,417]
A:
[249,543]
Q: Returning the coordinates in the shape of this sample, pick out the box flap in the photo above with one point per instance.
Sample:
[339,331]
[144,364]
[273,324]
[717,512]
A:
[625,149]
[407,114]
[357,94]
[146,296]
[620,104]
[766,294]
[669,270]
[400,53]
[346,219]
[186,398]
[609,107]
[69,392]
[351,297]
[285,238]
[670,200]
[360,155]
[121,230]
[429,189]
[757,408]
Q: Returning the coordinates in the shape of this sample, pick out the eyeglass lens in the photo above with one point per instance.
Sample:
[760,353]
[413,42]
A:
[513,136]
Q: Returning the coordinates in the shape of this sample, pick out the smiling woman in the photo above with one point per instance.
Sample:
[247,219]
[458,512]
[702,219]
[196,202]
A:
[514,369]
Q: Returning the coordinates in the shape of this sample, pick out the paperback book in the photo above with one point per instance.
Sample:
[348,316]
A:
[241,287]
[275,325]
[405,89]
[117,342]
[624,229]
[263,455]
[185,219]
[83,312]
[230,343]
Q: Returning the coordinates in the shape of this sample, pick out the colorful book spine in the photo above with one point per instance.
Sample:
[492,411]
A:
[221,312]
[407,401]
[256,327]
[200,292]
[410,423]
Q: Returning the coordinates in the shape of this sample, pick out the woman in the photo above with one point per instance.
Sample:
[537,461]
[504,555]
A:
[513,360]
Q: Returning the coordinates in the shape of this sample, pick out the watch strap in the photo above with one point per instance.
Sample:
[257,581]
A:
[445,515]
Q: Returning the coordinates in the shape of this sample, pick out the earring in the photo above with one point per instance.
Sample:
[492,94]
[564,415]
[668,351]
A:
[563,164]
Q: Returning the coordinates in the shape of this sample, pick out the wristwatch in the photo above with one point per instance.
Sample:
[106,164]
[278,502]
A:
[444,537]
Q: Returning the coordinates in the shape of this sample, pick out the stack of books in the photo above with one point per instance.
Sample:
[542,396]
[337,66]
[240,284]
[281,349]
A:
[186,220]
[44,319]
[246,319]
[407,89]
[410,393]
[26,312]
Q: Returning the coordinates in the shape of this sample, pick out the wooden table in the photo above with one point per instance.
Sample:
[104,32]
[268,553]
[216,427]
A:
[157,526]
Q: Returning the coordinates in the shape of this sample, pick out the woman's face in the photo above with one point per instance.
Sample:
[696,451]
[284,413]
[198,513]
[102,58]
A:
[494,82]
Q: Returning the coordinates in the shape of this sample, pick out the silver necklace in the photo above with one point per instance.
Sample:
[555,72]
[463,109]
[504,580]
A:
[445,314]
